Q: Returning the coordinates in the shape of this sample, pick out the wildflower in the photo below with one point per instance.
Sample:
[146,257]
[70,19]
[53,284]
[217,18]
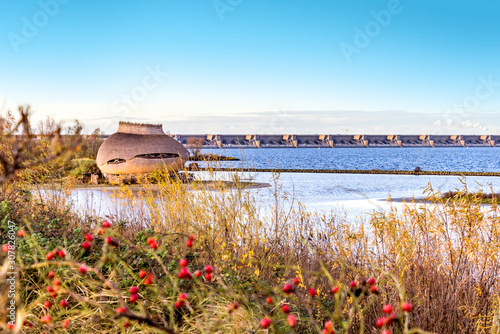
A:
[292,321]
[265,322]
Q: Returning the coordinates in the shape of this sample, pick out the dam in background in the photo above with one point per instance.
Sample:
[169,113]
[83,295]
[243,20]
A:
[298,141]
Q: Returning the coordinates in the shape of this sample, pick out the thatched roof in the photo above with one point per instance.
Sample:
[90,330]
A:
[140,148]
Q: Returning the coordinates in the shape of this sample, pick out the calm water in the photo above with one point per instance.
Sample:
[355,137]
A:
[351,194]
[476,159]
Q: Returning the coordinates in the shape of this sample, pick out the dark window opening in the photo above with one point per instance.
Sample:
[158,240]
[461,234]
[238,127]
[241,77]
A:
[157,156]
[116,161]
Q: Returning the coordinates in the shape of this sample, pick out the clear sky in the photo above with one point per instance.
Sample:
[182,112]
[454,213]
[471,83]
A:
[256,66]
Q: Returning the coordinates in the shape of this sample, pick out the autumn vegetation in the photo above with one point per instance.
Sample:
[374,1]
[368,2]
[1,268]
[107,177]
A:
[177,260]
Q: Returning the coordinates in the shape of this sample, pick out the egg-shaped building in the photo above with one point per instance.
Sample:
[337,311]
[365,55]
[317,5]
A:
[139,149]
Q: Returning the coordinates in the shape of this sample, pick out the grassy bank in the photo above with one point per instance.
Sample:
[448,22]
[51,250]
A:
[442,259]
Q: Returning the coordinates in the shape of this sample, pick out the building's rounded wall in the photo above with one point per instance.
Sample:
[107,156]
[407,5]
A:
[127,150]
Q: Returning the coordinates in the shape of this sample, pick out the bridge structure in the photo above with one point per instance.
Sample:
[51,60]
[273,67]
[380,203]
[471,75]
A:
[332,141]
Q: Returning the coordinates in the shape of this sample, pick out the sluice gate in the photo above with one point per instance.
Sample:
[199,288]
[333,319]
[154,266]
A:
[332,141]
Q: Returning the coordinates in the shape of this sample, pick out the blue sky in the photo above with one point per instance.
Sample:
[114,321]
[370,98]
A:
[256,66]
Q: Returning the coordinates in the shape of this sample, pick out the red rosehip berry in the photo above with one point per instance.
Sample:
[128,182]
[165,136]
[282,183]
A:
[189,243]
[126,324]
[27,323]
[328,325]
[197,273]
[265,323]
[209,269]
[149,279]
[49,255]
[287,288]
[182,296]
[183,262]
[83,269]
[47,304]
[335,289]
[150,240]
[313,292]
[142,274]
[21,233]
[121,310]
[49,289]
[296,281]
[179,304]
[106,224]
[406,307]
[208,277]
[110,241]
[56,282]
[285,308]
[100,231]
[134,297]
[134,289]
[153,245]
[53,294]
[374,289]
[371,281]
[5,249]
[269,300]
[385,331]
[191,237]
[387,308]
[65,323]
[184,273]
[292,321]
[46,319]
[381,322]
[51,274]
[89,237]
[353,285]
[86,245]
[61,254]
[64,303]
